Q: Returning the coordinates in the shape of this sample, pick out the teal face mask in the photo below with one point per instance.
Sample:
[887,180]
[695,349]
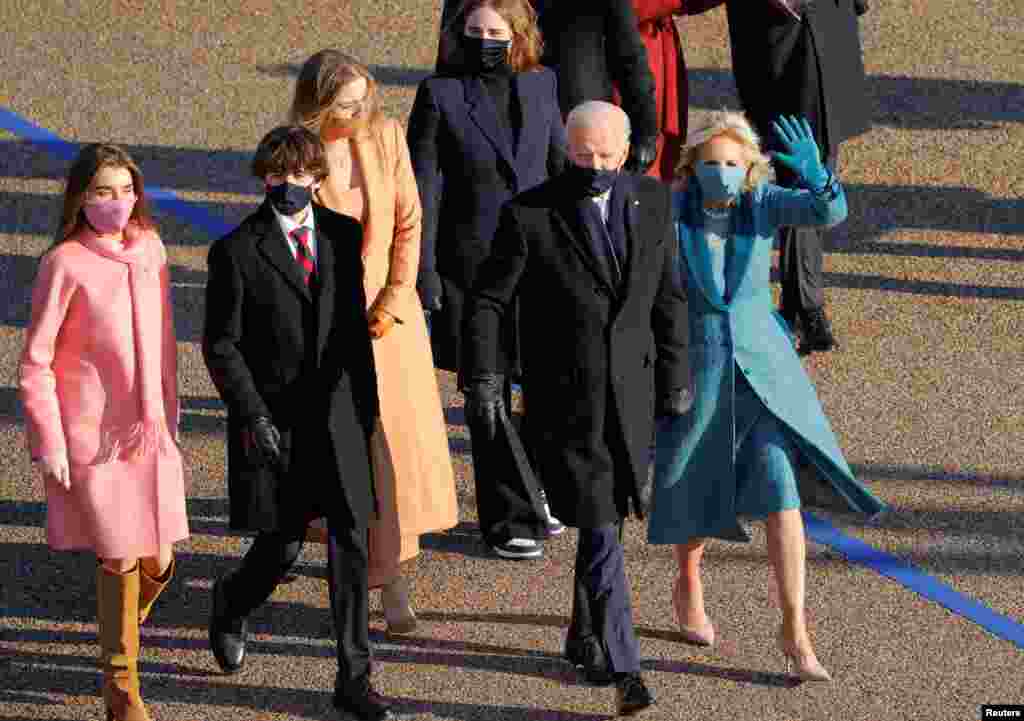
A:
[719,183]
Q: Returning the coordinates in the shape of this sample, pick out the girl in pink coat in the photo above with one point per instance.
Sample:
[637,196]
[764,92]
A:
[98,383]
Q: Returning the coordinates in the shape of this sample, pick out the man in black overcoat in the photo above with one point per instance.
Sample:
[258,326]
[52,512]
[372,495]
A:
[811,67]
[287,344]
[595,49]
[591,255]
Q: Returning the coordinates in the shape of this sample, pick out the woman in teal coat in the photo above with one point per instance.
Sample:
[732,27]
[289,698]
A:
[756,442]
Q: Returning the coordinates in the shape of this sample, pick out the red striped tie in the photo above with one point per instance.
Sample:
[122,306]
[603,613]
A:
[303,255]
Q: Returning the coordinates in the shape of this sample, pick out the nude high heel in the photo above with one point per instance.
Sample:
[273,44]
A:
[398,612]
[703,635]
[807,666]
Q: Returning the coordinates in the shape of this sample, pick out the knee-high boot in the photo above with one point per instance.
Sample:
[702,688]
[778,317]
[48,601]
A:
[150,589]
[117,596]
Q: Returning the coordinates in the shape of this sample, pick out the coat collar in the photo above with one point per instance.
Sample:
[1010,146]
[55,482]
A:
[274,247]
[689,224]
[624,195]
[325,266]
[483,113]
[566,214]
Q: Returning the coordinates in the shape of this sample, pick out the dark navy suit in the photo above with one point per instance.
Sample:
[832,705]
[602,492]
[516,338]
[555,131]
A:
[604,331]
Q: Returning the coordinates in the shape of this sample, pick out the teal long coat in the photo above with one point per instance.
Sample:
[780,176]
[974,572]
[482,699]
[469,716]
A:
[694,493]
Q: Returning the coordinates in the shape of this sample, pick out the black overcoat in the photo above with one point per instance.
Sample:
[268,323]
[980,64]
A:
[812,68]
[302,357]
[466,167]
[595,47]
[593,352]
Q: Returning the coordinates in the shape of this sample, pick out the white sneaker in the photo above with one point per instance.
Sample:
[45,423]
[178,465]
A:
[517,548]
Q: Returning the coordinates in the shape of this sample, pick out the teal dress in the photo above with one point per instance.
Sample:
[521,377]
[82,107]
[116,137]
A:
[765,455]
[756,440]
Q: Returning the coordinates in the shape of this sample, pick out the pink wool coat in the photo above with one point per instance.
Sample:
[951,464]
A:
[100,350]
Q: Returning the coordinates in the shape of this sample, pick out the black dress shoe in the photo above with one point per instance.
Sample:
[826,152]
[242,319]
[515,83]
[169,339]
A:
[359,699]
[817,332]
[632,694]
[227,634]
[588,656]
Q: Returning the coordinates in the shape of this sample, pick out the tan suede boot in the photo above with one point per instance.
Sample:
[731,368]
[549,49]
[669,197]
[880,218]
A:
[150,589]
[117,597]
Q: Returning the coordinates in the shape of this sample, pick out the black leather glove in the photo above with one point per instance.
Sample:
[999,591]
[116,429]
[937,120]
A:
[262,442]
[673,403]
[484,402]
[642,153]
[428,284]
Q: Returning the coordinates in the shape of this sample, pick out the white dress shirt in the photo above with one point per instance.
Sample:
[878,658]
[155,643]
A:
[602,204]
[288,225]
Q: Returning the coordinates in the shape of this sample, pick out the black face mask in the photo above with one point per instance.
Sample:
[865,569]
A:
[289,198]
[486,54]
[591,181]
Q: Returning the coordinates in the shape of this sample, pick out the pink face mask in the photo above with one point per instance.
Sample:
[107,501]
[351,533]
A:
[109,216]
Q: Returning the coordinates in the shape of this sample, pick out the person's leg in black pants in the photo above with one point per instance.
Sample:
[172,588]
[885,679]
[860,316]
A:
[601,581]
[601,570]
[801,252]
[239,593]
[507,491]
[347,568]
[268,560]
[601,640]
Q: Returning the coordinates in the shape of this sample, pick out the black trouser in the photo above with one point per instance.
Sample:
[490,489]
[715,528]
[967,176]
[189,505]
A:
[274,553]
[601,597]
[801,251]
[507,491]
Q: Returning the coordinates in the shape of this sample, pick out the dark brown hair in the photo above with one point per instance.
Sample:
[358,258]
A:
[527,44]
[321,79]
[290,149]
[91,159]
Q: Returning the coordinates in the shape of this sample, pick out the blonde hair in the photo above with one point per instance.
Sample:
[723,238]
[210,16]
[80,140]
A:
[321,79]
[737,128]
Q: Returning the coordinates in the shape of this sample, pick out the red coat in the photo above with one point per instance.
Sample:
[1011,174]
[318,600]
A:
[665,55]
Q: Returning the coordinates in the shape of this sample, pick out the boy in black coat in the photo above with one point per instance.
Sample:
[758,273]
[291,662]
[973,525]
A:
[287,345]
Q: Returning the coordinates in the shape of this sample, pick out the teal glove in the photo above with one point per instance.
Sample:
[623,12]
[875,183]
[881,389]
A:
[802,156]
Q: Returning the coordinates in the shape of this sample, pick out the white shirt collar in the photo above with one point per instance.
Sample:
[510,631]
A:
[288,225]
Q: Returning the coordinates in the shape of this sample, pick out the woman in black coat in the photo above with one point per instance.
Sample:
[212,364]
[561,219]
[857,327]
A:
[479,134]
[597,52]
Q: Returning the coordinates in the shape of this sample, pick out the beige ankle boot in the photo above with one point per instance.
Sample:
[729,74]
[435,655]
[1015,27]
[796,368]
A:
[117,596]
[399,615]
[150,589]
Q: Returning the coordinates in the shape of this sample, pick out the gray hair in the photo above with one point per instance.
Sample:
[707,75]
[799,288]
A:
[595,112]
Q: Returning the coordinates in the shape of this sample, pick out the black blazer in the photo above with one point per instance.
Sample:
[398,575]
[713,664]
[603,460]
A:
[595,46]
[276,348]
[466,169]
[812,68]
[592,353]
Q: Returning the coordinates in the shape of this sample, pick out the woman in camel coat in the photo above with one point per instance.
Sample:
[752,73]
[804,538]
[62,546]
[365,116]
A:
[370,178]
[97,378]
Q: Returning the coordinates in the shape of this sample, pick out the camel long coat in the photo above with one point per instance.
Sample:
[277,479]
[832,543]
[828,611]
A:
[412,465]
